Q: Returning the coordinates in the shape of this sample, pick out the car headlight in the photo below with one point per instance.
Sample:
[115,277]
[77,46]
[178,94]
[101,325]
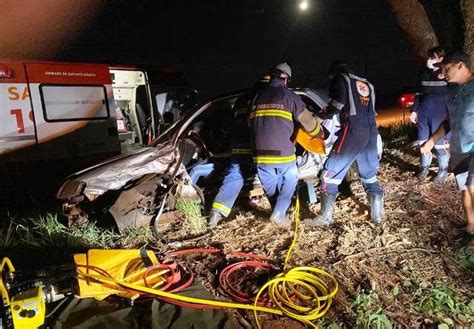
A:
[71,189]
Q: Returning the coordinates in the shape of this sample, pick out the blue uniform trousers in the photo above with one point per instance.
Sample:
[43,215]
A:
[355,143]
[431,113]
[279,182]
[239,170]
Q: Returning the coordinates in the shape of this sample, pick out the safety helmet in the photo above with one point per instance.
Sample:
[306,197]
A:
[265,78]
[283,68]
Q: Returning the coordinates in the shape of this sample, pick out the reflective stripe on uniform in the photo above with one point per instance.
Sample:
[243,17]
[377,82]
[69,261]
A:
[316,130]
[223,209]
[442,146]
[274,160]
[241,151]
[421,142]
[272,113]
[328,180]
[434,83]
[370,180]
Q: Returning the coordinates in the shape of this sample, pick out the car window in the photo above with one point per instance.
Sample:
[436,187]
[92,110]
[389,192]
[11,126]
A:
[213,125]
[310,104]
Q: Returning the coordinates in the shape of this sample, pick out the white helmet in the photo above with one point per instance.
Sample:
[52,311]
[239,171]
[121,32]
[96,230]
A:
[284,68]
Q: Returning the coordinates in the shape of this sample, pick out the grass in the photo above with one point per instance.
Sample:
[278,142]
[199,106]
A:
[398,134]
[48,231]
[193,213]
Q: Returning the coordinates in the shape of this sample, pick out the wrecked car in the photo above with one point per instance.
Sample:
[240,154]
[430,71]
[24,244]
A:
[138,189]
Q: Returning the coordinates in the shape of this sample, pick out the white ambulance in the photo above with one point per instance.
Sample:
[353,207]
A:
[84,112]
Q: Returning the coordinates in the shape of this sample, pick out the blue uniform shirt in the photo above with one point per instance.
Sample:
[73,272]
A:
[432,84]
[272,123]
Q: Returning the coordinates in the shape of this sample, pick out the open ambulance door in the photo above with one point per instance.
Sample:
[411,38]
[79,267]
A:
[137,120]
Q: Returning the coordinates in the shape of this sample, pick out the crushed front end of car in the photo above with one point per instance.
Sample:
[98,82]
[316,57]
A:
[133,189]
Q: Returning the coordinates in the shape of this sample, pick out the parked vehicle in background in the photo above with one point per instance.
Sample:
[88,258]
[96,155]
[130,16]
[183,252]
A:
[407,97]
[81,112]
[136,189]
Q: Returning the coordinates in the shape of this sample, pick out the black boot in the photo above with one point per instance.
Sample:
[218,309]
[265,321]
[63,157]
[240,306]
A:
[376,208]
[327,208]
[215,218]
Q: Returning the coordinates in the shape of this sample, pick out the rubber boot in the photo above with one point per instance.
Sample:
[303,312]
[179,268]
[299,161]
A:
[425,160]
[215,218]
[327,208]
[376,208]
[281,221]
[443,161]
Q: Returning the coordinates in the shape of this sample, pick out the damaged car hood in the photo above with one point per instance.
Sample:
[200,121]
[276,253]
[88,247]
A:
[161,159]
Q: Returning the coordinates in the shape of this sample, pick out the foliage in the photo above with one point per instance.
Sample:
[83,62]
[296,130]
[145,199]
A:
[7,234]
[367,315]
[465,259]
[443,303]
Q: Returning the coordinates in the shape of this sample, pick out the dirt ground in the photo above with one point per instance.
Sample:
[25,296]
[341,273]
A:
[414,252]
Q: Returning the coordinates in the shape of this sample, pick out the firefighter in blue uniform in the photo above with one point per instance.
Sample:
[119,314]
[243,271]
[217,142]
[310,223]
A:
[353,98]
[241,166]
[272,120]
[429,110]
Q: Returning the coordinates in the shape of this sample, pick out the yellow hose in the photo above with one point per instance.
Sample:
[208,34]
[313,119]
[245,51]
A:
[311,286]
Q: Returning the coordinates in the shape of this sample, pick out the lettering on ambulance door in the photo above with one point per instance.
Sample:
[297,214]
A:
[17,128]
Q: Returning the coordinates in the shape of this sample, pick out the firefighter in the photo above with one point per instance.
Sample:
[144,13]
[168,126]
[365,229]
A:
[272,120]
[429,110]
[241,165]
[353,98]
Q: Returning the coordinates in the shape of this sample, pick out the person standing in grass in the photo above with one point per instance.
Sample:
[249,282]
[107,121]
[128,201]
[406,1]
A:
[460,122]
[429,111]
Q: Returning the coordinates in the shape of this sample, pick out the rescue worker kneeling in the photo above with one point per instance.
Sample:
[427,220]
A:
[353,98]
[272,120]
[241,166]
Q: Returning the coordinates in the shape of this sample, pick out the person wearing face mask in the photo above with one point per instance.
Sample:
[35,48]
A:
[429,110]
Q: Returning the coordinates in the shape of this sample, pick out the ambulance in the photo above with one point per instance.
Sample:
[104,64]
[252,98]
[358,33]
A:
[84,113]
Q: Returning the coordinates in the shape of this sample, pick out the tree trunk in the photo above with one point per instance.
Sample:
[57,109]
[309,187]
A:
[412,19]
[467,7]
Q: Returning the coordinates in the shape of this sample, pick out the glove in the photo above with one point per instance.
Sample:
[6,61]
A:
[413,117]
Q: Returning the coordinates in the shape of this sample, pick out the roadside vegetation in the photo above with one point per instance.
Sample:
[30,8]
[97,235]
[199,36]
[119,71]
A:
[414,271]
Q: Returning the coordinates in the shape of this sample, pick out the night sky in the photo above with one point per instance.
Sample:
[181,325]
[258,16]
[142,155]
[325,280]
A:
[223,45]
